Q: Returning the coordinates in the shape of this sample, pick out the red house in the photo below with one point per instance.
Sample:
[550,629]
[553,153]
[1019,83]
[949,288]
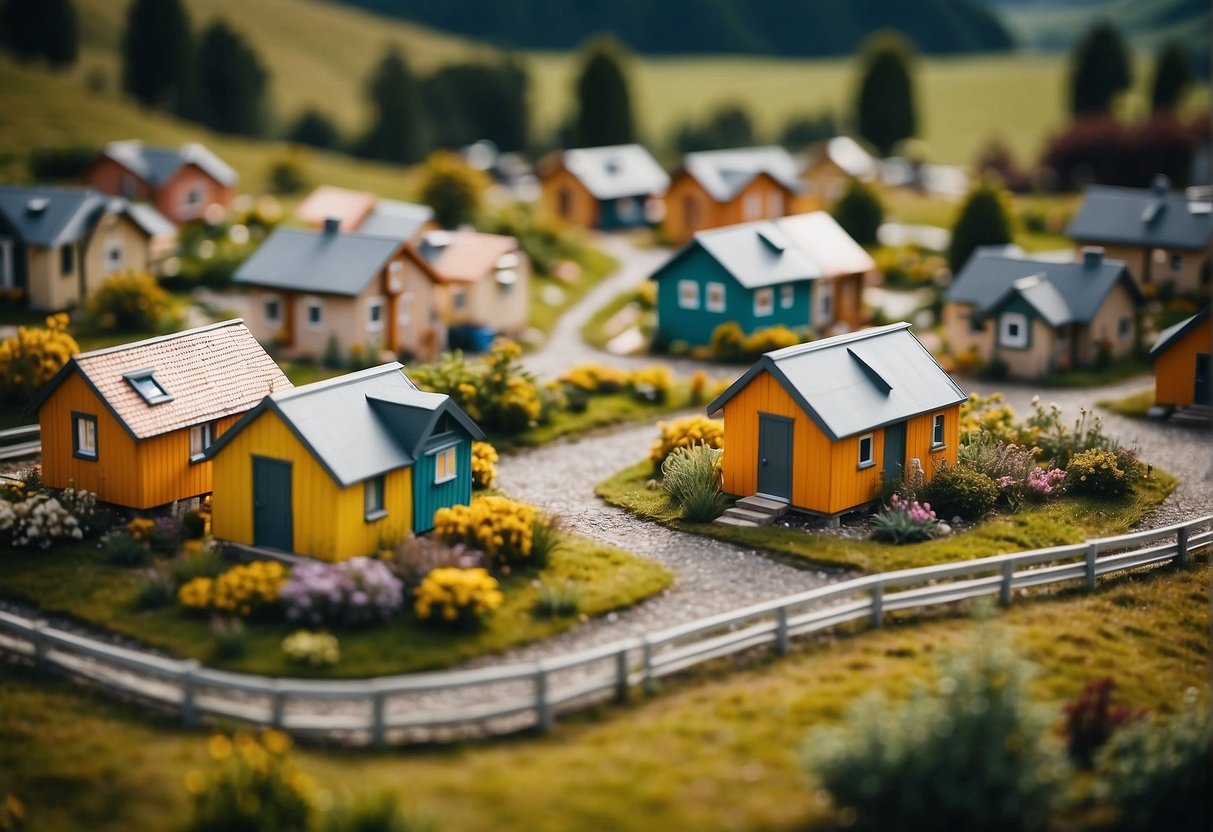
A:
[183,184]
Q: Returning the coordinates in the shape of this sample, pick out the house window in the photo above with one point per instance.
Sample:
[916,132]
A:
[459,298]
[372,498]
[775,204]
[937,431]
[374,316]
[1177,262]
[787,296]
[690,212]
[84,436]
[688,294]
[129,189]
[866,459]
[193,198]
[67,260]
[627,209]
[825,302]
[764,302]
[113,255]
[315,314]
[564,202]
[201,437]
[752,207]
[1013,331]
[147,386]
[273,311]
[444,466]
[402,309]
[395,276]
[976,323]
[715,297]
[1123,328]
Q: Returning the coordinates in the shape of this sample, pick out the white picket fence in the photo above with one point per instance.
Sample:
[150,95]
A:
[459,704]
[20,442]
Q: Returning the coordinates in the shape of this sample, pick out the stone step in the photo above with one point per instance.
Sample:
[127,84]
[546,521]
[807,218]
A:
[726,520]
[775,508]
[758,518]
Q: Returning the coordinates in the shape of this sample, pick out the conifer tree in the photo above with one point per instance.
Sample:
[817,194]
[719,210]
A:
[983,221]
[314,129]
[42,29]
[231,83]
[1172,77]
[397,133]
[604,103]
[1099,70]
[157,55]
[885,110]
[860,212]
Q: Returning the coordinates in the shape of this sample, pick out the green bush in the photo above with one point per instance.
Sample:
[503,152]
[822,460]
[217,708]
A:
[970,754]
[193,524]
[691,476]
[158,589]
[961,491]
[1059,443]
[546,537]
[860,212]
[558,601]
[129,303]
[379,812]
[205,564]
[904,521]
[123,550]
[253,786]
[1097,473]
[287,176]
[498,393]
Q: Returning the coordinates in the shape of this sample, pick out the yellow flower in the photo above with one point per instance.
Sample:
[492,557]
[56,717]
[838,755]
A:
[195,782]
[219,747]
[276,742]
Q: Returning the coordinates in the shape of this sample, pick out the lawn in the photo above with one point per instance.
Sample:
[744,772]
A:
[76,581]
[1134,406]
[715,751]
[1069,520]
[593,333]
[595,265]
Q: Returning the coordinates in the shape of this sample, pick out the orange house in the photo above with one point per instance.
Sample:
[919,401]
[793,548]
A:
[725,187]
[132,423]
[823,427]
[1181,363]
[184,184]
[608,188]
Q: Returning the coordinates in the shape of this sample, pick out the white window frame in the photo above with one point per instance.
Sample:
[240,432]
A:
[1006,338]
[84,436]
[201,437]
[714,297]
[787,296]
[373,324]
[395,275]
[374,498]
[764,302]
[318,305]
[938,426]
[459,298]
[276,305]
[825,302]
[445,465]
[870,460]
[115,254]
[688,294]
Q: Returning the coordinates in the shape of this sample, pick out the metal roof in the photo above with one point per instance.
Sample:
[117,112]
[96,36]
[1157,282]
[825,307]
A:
[465,256]
[616,171]
[1173,334]
[48,217]
[1155,216]
[359,425]
[392,218]
[153,223]
[857,382]
[724,173]
[1062,292]
[329,262]
[156,165]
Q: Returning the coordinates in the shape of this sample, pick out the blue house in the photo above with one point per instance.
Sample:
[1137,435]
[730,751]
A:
[799,271]
[608,188]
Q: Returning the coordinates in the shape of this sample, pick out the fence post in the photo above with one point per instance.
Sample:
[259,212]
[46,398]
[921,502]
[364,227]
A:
[1092,554]
[877,617]
[189,705]
[543,711]
[378,718]
[1181,546]
[621,675]
[1008,576]
[781,631]
[650,684]
[38,636]
[277,704]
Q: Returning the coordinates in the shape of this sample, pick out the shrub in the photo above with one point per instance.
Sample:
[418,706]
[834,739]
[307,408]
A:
[30,359]
[287,176]
[415,557]
[960,491]
[685,433]
[726,341]
[1091,719]
[859,212]
[456,597]
[353,592]
[767,339]
[558,601]
[62,163]
[314,649]
[484,464]
[129,303]
[208,563]
[193,524]
[253,785]
[595,379]
[242,590]
[969,754]
[1097,473]
[991,418]
[699,382]
[546,537]
[452,188]
[379,812]
[1058,443]
[38,520]
[500,395]
[123,550]
[651,384]
[1159,776]
[231,639]
[691,476]
[502,528]
[158,589]
[904,521]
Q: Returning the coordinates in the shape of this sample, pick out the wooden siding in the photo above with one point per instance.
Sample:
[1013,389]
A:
[772,200]
[1175,368]
[428,497]
[583,208]
[328,521]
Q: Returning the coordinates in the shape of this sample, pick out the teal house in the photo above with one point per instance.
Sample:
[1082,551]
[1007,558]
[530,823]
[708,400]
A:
[800,272]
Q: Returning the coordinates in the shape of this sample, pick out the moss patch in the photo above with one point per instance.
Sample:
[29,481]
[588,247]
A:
[600,412]
[1135,406]
[1065,521]
[595,265]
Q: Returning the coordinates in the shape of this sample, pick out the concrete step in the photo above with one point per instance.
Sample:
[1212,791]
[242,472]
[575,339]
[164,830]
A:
[758,518]
[775,508]
[726,520]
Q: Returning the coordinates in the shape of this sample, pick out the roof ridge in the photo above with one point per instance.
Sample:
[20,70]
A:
[158,339]
[338,381]
[837,340]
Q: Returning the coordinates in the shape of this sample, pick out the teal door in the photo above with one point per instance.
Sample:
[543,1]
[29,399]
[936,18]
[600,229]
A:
[1202,379]
[272,521]
[775,456]
[894,451]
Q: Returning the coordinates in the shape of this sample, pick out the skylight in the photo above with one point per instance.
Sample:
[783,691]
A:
[147,386]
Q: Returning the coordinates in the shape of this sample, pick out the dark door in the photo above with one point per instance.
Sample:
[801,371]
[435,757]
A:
[1202,379]
[894,451]
[775,456]
[272,521]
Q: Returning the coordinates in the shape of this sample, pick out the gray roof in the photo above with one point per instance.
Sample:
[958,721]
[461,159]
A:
[335,263]
[1154,216]
[1172,334]
[156,165]
[362,424]
[857,382]
[392,218]
[1061,292]
[49,217]
[616,171]
[724,173]
[784,250]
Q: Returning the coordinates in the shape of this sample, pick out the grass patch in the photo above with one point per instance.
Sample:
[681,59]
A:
[595,265]
[1134,406]
[715,751]
[75,581]
[1066,521]
[601,411]
[1118,370]
[592,333]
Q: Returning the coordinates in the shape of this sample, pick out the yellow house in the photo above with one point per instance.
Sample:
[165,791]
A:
[823,427]
[1181,363]
[343,467]
[132,423]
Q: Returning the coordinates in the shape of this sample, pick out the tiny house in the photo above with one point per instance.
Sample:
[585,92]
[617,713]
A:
[1182,370]
[483,280]
[343,467]
[824,427]
[185,184]
[608,188]
[364,211]
[133,423]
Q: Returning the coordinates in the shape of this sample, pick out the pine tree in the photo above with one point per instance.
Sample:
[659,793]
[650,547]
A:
[604,104]
[1099,70]
[1172,77]
[231,83]
[314,129]
[42,29]
[983,221]
[397,133]
[157,55]
[860,212]
[885,111]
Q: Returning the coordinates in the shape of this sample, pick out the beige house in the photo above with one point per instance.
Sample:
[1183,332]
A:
[1037,317]
[359,293]
[483,279]
[1163,235]
[57,245]
[829,167]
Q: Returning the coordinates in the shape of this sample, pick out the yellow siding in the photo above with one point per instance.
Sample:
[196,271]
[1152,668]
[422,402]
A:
[328,520]
[1175,368]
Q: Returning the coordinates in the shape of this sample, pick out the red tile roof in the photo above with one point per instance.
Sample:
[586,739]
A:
[469,256]
[350,207]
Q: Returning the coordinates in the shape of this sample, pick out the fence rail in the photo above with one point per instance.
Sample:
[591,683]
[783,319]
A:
[20,442]
[464,703]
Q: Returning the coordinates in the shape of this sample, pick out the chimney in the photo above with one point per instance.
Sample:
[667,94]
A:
[331,225]
[1092,257]
[1160,185]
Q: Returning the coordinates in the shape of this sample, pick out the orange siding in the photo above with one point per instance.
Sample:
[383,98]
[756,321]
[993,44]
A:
[851,485]
[166,473]
[1175,368]
[772,200]
[583,208]
[918,439]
